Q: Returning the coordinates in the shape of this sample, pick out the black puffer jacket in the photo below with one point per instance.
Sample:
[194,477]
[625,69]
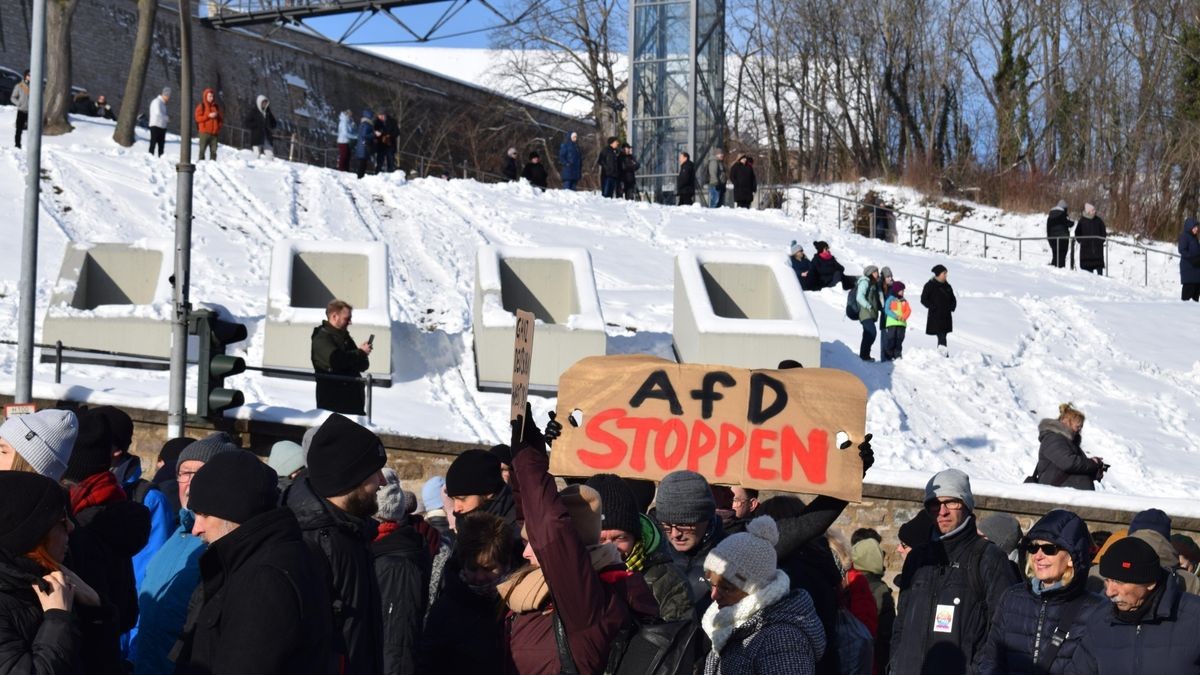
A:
[458,612]
[402,567]
[1058,224]
[963,571]
[334,352]
[1061,461]
[1025,623]
[265,605]
[344,541]
[31,641]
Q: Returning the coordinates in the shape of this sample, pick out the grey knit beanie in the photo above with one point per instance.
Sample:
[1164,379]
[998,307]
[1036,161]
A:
[950,483]
[747,559]
[43,439]
[206,448]
[684,497]
[390,497]
[869,270]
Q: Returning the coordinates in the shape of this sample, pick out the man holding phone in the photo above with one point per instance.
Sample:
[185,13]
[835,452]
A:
[334,353]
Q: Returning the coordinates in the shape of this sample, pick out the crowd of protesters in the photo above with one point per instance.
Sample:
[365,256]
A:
[318,561]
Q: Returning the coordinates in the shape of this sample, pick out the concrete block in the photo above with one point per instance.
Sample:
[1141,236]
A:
[742,309]
[558,286]
[115,297]
[305,276]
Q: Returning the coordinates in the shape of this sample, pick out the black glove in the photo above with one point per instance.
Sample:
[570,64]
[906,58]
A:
[525,433]
[553,429]
[866,454]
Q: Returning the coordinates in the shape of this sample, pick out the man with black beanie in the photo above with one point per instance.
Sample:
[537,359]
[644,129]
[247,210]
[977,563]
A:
[642,546]
[475,481]
[1153,622]
[334,504]
[264,604]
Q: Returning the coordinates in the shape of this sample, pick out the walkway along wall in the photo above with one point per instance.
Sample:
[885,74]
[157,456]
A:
[307,79]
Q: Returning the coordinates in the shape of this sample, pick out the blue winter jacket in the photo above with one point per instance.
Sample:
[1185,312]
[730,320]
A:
[1164,641]
[801,266]
[570,161]
[1189,250]
[1025,622]
[366,139]
[163,597]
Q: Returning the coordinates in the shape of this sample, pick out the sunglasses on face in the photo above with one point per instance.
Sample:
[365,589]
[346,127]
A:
[1046,549]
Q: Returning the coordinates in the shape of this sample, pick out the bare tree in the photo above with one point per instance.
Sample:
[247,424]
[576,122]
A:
[58,65]
[136,82]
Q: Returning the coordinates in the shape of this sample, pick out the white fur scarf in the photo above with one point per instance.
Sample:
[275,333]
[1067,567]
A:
[720,623]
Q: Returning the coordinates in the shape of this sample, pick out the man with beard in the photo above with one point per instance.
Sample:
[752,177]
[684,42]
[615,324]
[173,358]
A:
[334,504]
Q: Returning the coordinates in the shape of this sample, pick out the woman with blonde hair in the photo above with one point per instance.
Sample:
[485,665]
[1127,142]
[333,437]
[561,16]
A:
[1038,623]
[1061,461]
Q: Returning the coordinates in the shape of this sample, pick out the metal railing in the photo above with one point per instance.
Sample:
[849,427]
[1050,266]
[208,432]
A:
[59,348]
[987,236]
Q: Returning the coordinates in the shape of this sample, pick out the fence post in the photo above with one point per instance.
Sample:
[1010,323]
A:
[1146,261]
[1020,245]
[58,362]
[947,238]
[370,395]
[464,169]
[985,246]
[1106,256]
[910,230]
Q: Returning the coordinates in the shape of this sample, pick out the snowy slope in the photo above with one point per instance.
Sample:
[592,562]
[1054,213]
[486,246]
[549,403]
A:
[1027,336]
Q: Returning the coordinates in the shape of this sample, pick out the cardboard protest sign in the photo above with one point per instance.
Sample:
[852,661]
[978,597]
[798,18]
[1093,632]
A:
[644,417]
[522,360]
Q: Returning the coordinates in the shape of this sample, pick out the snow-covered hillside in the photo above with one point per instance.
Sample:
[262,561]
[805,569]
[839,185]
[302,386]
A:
[1027,337]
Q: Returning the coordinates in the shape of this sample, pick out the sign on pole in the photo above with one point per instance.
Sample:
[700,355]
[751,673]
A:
[522,360]
[14,409]
[644,417]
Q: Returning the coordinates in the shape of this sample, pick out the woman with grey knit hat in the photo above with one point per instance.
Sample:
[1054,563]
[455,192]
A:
[756,624]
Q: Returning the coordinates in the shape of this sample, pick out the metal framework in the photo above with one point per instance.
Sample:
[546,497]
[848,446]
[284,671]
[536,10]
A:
[677,77]
[240,13]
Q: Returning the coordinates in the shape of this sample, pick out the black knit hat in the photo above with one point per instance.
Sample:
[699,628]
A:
[92,453]
[343,455]
[121,425]
[235,486]
[1132,561]
[502,453]
[916,531]
[474,472]
[643,492]
[938,269]
[31,505]
[618,506]
[169,455]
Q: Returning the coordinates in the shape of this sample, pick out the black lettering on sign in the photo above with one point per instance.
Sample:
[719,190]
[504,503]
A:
[659,386]
[757,414]
[707,393]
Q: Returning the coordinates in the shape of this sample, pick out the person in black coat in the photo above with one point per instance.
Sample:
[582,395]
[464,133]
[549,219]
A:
[1151,624]
[39,632]
[1061,461]
[949,587]
[535,171]
[402,566]
[261,123]
[263,600]
[334,353]
[829,272]
[1091,233]
[685,182]
[609,162]
[510,165]
[333,505]
[387,132]
[1189,260]
[1039,622]
[629,169]
[1058,234]
[938,297]
[745,183]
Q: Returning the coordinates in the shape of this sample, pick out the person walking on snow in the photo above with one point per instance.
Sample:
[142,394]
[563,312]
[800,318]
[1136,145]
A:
[610,168]
[629,169]
[866,293]
[209,119]
[570,161]
[364,147]
[716,179]
[159,117]
[20,98]
[1091,234]
[345,136]
[1058,234]
[261,123]
[897,310]
[1189,260]
[745,183]
[685,182]
[938,297]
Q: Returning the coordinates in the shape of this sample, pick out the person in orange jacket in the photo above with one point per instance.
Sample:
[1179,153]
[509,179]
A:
[897,310]
[208,120]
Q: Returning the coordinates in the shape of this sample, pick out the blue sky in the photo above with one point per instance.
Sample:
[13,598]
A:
[470,18]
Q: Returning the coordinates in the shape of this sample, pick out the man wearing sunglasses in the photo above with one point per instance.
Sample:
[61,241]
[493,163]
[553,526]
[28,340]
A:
[949,586]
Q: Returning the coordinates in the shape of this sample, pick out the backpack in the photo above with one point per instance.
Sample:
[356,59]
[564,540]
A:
[852,307]
[646,646]
[856,647]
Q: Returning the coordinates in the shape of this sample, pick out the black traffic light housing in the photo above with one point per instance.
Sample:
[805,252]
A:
[213,335]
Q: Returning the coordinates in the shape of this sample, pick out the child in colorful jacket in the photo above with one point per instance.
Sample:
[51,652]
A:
[897,310]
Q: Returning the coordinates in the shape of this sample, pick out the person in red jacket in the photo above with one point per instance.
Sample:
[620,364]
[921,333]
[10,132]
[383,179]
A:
[209,119]
[571,578]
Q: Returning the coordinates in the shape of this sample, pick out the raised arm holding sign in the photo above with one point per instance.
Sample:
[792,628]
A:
[644,417]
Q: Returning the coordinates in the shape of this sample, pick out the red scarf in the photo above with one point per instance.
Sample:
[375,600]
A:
[96,490]
[386,527]
[825,255]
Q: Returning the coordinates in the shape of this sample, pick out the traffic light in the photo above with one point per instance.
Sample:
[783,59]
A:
[213,335]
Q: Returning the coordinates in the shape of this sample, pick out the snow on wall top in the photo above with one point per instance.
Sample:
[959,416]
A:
[494,315]
[800,319]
